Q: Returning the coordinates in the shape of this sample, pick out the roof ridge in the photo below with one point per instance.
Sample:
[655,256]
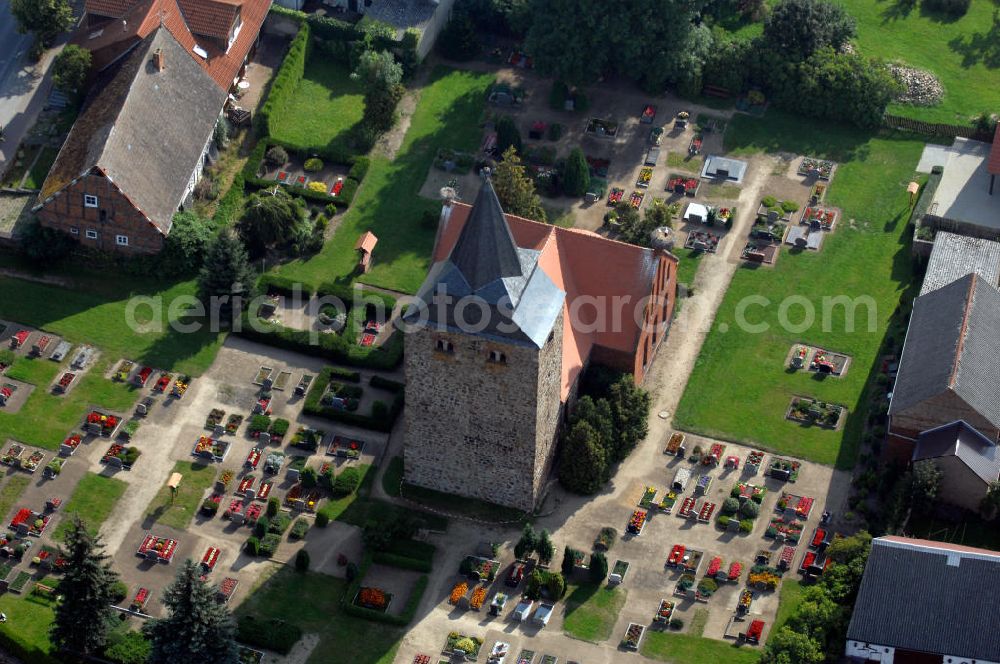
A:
[953,377]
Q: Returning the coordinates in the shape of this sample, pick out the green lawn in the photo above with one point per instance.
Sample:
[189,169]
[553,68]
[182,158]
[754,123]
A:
[46,419]
[324,108]
[964,54]
[591,612]
[29,619]
[869,258]
[93,499]
[96,311]
[792,591]
[286,593]
[447,115]
[684,649]
[178,512]
[685,162]
[11,492]
[688,266]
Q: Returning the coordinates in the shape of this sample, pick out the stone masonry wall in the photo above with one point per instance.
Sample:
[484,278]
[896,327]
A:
[472,425]
[549,411]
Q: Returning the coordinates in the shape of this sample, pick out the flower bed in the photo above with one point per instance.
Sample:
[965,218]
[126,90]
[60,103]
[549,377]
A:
[156,548]
[645,175]
[812,167]
[375,599]
[744,602]
[163,382]
[211,557]
[233,423]
[274,462]
[815,412]
[466,645]
[820,536]
[784,469]
[253,512]
[755,458]
[675,444]
[54,467]
[786,558]
[140,600]
[605,539]
[801,504]
[633,636]
[294,498]
[788,531]
[211,448]
[210,506]
[458,592]
[706,511]
[214,419]
[684,584]
[479,569]
[124,370]
[13,455]
[683,185]
[69,445]
[31,463]
[735,570]
[101,423]
[180,386]
[264,491]
[142,377]
[227,588]
[308,439]
[477,599]
[714,566]
[120,456]
[635,200]
[648,497]
[342,446]
[246,484]
[65,381]
[637,522]
[703,485]
[253,457]
[668,502]
[764,578]
[28,522]
[687,507]
[676,555]
[824,218]
[714,456]
[664,612]
[615,196]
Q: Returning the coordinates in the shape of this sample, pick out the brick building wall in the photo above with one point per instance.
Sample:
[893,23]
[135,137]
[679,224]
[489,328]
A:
[905,426]
[959,485]
[113,215]
[479,428]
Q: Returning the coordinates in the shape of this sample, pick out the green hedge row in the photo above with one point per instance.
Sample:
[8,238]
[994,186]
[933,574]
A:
[332,29]
[286,81]
[273,634]
[279,285]
[329,346]
[386,384]
[378,421]
[349,607]
[402,562]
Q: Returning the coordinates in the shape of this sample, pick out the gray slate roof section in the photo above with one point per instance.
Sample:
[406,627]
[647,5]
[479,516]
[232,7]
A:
[910,597]
[492,275]
[952,344]
[961,440]
[485,251]
[955,256]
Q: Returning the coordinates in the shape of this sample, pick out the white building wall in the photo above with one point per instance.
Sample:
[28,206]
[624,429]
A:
[873,652]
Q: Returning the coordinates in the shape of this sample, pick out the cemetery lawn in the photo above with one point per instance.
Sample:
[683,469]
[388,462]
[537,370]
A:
[964,54]
[46,419]
[11,492]
[312,602]
[94,310]
[685,649]
[93,499]
[740,389]
[325,107]
[198,478]
[687,268]
[591,612]
[29,619]
[447,115]
[792,592]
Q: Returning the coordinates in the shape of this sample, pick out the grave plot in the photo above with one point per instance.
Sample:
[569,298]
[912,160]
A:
[344,447]
[101,423]
[13,394]
[211,449]
[813,412]
[684,559]
[160,549]
[794,506]
[829,362]
[683,185]
[764,253]
[818,217]
[702,241]
[812,167]
[70,444]
[27,522]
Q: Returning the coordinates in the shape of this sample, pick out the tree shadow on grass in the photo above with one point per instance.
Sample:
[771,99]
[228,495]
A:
[898,10]
[980,47]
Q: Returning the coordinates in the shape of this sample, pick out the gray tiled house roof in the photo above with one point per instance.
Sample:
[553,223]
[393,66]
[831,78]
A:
[955,256]
[145,129]
[487,274]
[960,440]
[929,597]
[952,345]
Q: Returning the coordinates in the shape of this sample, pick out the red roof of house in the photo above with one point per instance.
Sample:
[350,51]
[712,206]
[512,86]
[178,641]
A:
[581,263]
[185,19]
[994,166]
[366,242]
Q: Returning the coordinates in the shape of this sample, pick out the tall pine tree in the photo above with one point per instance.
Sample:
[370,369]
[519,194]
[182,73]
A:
[84,615]
[197,629]
[225,274]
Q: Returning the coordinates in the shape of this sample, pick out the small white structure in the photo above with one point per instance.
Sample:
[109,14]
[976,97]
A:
[681,478]
[522,610]
[723,168]
[543,614]
[696,213]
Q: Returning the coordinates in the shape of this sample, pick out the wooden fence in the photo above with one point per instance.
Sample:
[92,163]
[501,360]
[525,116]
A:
[933,129]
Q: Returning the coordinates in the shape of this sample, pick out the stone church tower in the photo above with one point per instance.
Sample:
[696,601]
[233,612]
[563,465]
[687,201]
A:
[484,369]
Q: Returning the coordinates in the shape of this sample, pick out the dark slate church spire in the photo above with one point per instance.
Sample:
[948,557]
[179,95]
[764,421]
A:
[485,251]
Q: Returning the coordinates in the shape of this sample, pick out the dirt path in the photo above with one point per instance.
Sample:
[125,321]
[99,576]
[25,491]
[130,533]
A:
[389,143]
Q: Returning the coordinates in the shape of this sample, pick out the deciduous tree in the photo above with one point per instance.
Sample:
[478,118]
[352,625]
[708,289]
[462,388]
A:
[270,217]
[45,18]
[799,28]
[84,617]
[515,189]
[382,78]
[70,69]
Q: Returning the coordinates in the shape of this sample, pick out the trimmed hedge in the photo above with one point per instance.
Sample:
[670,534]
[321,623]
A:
[326,28]
[383,383]
[285,82]
[275,283]
[376,421]
[402,562]
[273,634]
[329,346]
[349,607]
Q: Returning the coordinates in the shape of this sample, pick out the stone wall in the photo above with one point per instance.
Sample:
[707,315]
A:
[114,215]
[479,428]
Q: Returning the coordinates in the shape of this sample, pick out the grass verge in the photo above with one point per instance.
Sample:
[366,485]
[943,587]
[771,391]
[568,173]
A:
[591,612]
[177,512]
[93,500]
[685,649]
